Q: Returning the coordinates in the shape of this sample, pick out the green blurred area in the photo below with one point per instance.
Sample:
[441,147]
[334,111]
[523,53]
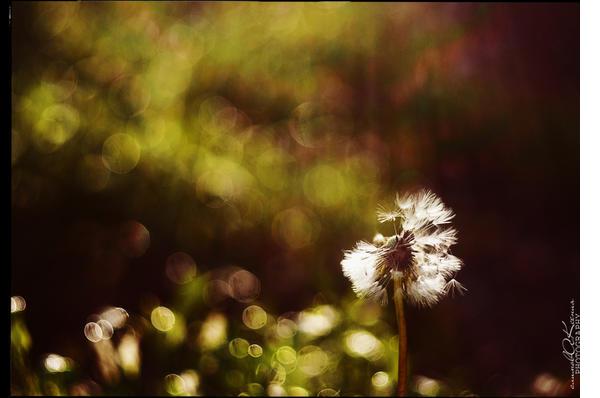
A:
[198,350]
[202,98]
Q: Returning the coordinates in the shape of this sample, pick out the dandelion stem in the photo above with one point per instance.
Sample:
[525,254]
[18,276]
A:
[402,346]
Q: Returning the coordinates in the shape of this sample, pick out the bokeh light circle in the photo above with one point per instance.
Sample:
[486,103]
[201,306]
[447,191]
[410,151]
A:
[56,125]
[55,363]
[238,347]
[312,360]
[286,355]
[162,319]
[17,304]
[92,332]
[380,379]
[255,351]
[286,328]
[175,384]
[244,285]
[121,153]
[254,317]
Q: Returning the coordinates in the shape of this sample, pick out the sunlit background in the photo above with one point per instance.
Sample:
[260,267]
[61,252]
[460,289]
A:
[185,177]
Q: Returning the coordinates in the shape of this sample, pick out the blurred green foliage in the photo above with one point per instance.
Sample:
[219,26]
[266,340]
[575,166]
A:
[348,349]
[147,90]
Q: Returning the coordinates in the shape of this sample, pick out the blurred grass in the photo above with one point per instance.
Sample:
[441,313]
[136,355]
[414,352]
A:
[325,349]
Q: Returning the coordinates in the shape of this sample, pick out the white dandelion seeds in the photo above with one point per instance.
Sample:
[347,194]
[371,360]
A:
[418,254]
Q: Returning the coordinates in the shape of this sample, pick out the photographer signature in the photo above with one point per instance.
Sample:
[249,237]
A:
[568,343]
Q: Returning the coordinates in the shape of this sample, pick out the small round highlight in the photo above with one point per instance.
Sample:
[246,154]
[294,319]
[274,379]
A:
[318,321]
[286,355]
[380,379]
[238,347]
[254,317]
[286,328]
[191,379]
[427,386]
[546,384]
[121,153]
[175,384]
[255,351]
[162,319]
[361,343]
[244,286]
[129,354]
[213,332]
[17,304]
[312,360]
[56,125]
[93,332]
[55,363]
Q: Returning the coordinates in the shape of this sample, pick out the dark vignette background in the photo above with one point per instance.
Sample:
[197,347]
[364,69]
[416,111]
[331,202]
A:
[494,130]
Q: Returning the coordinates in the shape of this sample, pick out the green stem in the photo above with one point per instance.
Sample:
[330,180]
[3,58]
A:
[402,346]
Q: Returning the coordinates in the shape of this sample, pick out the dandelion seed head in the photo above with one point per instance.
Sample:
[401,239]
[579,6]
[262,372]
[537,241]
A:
[418,253]
[360,266]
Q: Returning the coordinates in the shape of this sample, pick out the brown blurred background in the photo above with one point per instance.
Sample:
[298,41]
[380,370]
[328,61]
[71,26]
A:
[264,136]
